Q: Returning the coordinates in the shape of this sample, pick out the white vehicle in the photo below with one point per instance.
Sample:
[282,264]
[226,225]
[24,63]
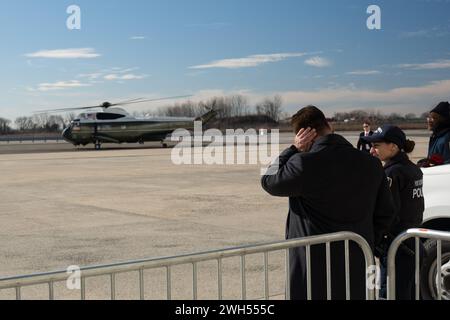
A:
[436,217]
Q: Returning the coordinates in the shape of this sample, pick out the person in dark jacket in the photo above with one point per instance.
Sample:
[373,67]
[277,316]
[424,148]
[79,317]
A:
[332,187]
[362,144]
[406,181]
[439,147]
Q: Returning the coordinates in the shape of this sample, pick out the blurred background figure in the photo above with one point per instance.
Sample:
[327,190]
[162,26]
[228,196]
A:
[362,144]
[439,124]
[439,148]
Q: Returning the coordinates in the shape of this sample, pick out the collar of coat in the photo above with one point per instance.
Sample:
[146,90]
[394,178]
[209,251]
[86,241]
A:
[401,157]
[440,132]
[331,139]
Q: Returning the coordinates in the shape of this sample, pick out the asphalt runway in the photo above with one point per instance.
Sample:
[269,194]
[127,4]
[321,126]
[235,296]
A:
[62,206]
[61,146]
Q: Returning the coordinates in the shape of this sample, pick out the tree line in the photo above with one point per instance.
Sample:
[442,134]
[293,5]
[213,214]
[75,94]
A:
[227,107]
[37,123]
[376,116]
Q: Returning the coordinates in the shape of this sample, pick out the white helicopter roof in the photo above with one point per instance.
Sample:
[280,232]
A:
[89,115]
[93,116]
[117,111]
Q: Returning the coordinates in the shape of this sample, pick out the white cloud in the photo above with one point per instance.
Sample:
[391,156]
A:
[138,38]
[60,85]
[122,70]
[113,74]
[413,34]
[247,62]
[129,76]
[363,72]
[403,99]
[90,76]
[318,62]
[434,32]
[133,77]
[80,53]
[111,77]
[438,64]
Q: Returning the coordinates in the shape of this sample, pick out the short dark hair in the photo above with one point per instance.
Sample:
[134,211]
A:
[367,122]
[309,117]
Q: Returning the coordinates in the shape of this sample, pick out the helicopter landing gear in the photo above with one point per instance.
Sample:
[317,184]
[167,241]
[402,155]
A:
[98,145]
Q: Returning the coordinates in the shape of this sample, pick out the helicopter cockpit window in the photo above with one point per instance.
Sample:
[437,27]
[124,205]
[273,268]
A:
[109,116]
[75,124]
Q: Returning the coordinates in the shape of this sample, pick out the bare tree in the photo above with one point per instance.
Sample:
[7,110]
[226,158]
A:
[25,124]
[4,125]
[54,123]
[49,123]
[424,115]
[270,108]
[21,123]
[394,116]
[239,105]
[185,109]
[69,117]
[40,120]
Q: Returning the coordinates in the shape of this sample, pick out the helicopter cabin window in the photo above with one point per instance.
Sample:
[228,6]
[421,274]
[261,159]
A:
[109,116]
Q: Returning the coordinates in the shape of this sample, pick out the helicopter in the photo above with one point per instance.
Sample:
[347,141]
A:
[115,125]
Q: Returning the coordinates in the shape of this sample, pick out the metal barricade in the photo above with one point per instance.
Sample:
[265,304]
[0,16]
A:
[168,263]
[417,234]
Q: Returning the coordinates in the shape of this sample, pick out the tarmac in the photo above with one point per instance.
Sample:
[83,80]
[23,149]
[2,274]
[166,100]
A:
[64,206]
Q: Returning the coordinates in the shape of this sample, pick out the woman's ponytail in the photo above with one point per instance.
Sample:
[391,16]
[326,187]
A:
[409,146]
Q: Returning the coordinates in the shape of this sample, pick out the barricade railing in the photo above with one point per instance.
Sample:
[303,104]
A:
[418,234]
[167,263]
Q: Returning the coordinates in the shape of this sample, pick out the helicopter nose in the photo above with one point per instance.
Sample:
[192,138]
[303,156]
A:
[67,135]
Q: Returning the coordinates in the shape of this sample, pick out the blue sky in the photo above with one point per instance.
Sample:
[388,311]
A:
[309,52]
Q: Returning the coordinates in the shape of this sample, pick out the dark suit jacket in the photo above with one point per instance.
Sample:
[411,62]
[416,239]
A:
[363,145]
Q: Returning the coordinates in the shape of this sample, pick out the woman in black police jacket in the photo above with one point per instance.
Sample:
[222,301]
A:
[390,145]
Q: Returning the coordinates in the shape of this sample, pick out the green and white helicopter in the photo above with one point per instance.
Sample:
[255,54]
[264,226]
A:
[115,125]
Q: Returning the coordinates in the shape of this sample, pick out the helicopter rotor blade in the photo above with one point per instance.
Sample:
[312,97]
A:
[127,101]
[66,109]
[123,103]
[149,100]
